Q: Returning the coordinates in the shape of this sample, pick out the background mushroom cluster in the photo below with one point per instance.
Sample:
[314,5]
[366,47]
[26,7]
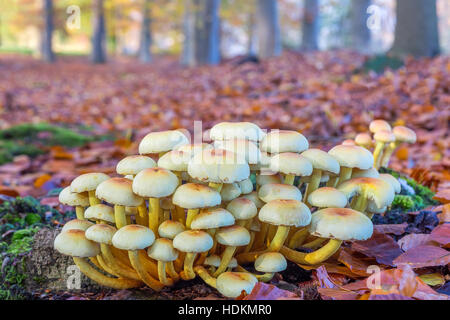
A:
[229,209]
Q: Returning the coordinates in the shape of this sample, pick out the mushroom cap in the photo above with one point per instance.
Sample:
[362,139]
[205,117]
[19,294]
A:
[379,191]
[101,233]
[280,141]
[392,180]
[372,208]
[175,160]
[162,141]
[270,262]
[194,148]
[322,160]
[263,179]
[242,208]
[169,229]
[118,191]
[348,142]
[230,191]
[291,163]
[214,260]
[245,150]
[285,213]
[263,163]
[73,199]
[219,166]
[193,241]
[77,224]
[88,181]
[377,125]
[246,186]
[236,130]
[132,165]
[404,134]
[327,197]
[133,237]
[212,218]
[384,136]
[101,212]
[352,156]
[254,197]
[233,236]
[162,249]
[155,183]
[275,191]
[341,224]
[231,284]
[363,140]
[75,244]
[368,173]
[195,195]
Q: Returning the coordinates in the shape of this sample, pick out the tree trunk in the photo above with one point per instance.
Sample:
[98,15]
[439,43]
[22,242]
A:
[251,44]
[146,35]
[268,29]
[46,44]
[359,37]
[98,54]
[416,31]
[310,26]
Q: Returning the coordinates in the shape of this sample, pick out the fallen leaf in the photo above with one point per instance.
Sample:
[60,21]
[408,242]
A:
[443,196]
[441,235]
[397,229]
[433,279]
[380,246]
[264,291]
[424,256]
[413,240]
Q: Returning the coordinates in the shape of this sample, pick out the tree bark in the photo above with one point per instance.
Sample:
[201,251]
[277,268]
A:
[98,54]
[268,29]
[360,36]
[46,41]
[416,31]
[146,35]
[310,26]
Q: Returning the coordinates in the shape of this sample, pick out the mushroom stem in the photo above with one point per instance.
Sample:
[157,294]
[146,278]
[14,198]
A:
[377,154]
[114,264]
[298,238]
[261,236]
[312,185]
[119,216]
[216,186]
[116,283]
[93,200]
[162,274]
[148,279]
[279,239]
[250,244]
[104,266]
[153,215]
[265,277]
[270,234]
[227,255]
[179,215]
[249,257]
[141,218]
[314,257]
[388,151]
[192,213]
[79,210]
[289,179]
[344,175]
[203,273]
[188,272]
[170,269]
[333,181]
[361,203]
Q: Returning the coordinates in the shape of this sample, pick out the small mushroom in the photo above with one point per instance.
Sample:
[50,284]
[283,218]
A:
[100,213]
[364,140]
[230,191]
[350,157]
[76,224]
[78,200]
[176,161]
[269,263]
[214,262]
[163,251]
[236,130]
[382,138]
[280,141]
[243,210]
[162,142]
[246,186]
[291,165]
[232,284]
[402,135]
[132,165]
[88,183]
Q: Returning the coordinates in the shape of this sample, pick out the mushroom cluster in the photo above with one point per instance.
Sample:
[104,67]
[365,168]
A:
[230,211]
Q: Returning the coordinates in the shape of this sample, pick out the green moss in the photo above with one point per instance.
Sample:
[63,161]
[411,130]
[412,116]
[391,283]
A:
[406,203]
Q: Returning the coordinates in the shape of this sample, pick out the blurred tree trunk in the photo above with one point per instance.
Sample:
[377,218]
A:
[98,54]
[268,29]
[251,44]
[359,32]
[416,31]
[310,26]
[146,35]
[47,32]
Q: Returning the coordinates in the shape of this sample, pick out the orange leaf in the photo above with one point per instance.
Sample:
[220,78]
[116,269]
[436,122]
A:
[402,153]
[443,196]
[39,182]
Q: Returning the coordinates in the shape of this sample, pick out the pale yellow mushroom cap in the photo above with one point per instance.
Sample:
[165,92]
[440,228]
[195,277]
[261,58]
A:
[275,191]
[270,262]
[193,241]
[230,191]
[246,186]
[214,260]
[372,208]
[101,233]
[77,224]
[377,125]
[341,224]
[368,173]
[291,163]
[348,142]
[175,160]
[133,237]
[379,191]
[279,141]
[194,196]
[245,150]
[118,191]
[233,236]
[212,218]
[404,134]
[162,141]
[263,179]
[322,160]
[253,196]
[75,244]
[231,284]
[236,130]
[363,140]
[263,164]
[132,165]
[352,156]
[194,148]
[285,213]
[242,208]
[100,212]
[155,183]
[162,249]
[384,136]
[88,181]
[169,229]
[392,180]
[327,197]
[70,198]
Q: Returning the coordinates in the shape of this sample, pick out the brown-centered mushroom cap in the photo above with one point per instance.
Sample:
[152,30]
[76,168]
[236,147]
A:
[193,241]
[230,191]
[270,262]
[214,260]
[285,213]
[279,141]
[133,237]
[118,191]
[234,236]
[384,136]
[245,150]
[363,140]
[101,233]
[376,189]
[194,196]
[377,125]
[194,148]
[212,218]
[175,160]
[75,244]
[231,284]
[70,198]
[322,160]
[291,163]
[253,196]
[404,134]
[162,249]
[236,130]
[132,165]
[77,224]
[327,197]
[163,141]
[242,208]
[87,182]
[155,183]
[352,156]
[169,229]
[275,191]
[100,212]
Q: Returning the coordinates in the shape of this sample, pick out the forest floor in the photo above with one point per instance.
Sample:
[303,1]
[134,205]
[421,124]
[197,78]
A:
[58,121]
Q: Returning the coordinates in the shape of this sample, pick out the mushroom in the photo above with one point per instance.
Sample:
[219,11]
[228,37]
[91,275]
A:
[191,242]
[291,165]
[214,262]
[118,191]
[132,238]
[243,210]
[155,183]
[255,229]
[336,224]
[253,196]
[269,263]
[364,140]
[100,213]
[280,141]
[402,134]
[75,244]
[88,182]
[163,251]
[169,229]
[236,130]
[175,161]
[193,149]
[392,181]
[76,224]
[132,165]
[377,125]
[78,200]
[382,138]
[232,284]
[162,142]
[245,150]
[168,208]
[350,157]
[368,173]
[246,186]
[263,179]
[230,191]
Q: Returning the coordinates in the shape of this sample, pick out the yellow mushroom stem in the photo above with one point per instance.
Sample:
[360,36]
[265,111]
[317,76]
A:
[279,239]
[298,238]
[314,257]
[105,267]
[79,210]
[179,263]
[170,269]
[227,255]
[388,151]
[345,174]
[153,215]
[216,186]
[148,263]
[289,179]
[360,203]
[248,247]
[166,215]
[121,256]
[191,214]
[188,271]
[145,276]
[377,154]
[179,215]
[142,217]
[249,257]
[261,236]
[120,216]
[162,274]
[93,200]
[265,277]
[314,244]
[115,265]
[312,185]
[333,181]
[270,234]
[116,283]
[203,273]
